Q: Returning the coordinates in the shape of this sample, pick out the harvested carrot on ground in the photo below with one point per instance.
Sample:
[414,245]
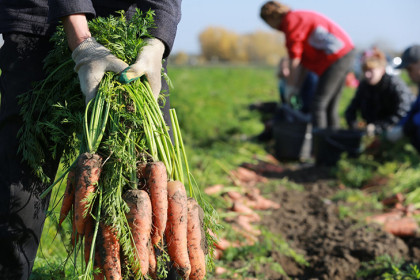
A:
[196,240]
[68,198]
[87,176]
[140,221]
[157,186]
[109,252]
[176,228]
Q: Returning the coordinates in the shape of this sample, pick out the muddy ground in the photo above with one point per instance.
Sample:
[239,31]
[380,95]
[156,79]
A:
[334,247]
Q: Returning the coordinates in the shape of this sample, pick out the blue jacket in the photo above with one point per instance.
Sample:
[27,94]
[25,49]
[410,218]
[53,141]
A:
[411,122]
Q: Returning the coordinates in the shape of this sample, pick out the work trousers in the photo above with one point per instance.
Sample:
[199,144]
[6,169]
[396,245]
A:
[22,212]
[328,92]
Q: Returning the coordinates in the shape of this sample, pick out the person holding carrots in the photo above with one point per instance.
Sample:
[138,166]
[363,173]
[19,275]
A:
[26,27]
[320,45]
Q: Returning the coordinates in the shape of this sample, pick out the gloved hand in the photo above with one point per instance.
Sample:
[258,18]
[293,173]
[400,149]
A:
[149,63]
[370,129]
[289,92]
[92,61]
[395,133]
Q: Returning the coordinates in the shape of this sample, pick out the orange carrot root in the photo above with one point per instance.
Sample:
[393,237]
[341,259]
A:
[157,187]
[109,252]
[87,176]
[196,240]
[176,228]
[140,222]
[68,198]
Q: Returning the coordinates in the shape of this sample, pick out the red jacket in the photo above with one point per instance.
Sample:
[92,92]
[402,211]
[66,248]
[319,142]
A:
[315,39]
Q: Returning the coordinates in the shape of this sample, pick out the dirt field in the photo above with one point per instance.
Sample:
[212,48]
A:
[334,247]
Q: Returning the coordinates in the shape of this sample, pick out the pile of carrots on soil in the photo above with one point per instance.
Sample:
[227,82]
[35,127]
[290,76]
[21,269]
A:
[398,220]
[159,212]
[245,200]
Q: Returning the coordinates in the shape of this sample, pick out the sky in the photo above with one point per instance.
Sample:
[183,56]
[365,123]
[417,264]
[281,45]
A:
[394,24]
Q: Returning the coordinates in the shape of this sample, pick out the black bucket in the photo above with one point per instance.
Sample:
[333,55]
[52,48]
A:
[292,140]
[329,145]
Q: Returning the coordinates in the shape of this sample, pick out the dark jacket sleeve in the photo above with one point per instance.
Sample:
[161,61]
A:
[167,17]
[353,107]
[61,8]
[402,97]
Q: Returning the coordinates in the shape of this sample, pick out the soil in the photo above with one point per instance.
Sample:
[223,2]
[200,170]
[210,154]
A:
[334,247]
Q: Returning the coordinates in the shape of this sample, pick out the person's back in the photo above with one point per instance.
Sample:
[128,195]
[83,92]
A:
[316,39]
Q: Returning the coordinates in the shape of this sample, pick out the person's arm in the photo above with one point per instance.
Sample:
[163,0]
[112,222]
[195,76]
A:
[76,29]
[91,59]
[295,72]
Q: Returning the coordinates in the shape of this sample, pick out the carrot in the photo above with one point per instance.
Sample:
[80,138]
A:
[88,172]
[157,185]
[68,198]
[109,252]
[404,227]
[196,240]
[152,262]
[176,228]
[140,221]
[89,229]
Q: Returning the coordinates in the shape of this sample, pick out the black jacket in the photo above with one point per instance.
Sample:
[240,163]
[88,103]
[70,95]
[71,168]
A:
[41,16]
[383,104]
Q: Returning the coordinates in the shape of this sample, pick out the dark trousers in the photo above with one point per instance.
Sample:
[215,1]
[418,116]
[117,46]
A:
[22,212]
[328,93]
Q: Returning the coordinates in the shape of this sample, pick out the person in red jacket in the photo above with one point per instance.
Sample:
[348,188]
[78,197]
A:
[320,45]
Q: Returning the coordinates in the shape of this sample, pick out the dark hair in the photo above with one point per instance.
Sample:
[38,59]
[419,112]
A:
[273,7]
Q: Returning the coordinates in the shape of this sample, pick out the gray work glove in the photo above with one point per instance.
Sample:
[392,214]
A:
[92,61]
[370,130]
[149,63]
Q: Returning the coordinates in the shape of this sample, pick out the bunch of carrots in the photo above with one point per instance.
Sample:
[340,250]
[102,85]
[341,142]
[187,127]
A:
[134,207]
[159,213]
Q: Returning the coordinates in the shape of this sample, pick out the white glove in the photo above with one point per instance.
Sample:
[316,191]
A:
[149,63]
[370,129]
[395,133]
[92,61]
[289,92]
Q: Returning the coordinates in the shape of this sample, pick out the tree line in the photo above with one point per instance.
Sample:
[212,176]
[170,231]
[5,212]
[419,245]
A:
[221,45]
